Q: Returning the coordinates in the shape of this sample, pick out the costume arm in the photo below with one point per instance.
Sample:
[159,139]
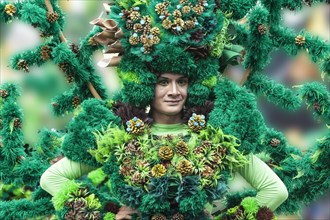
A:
[271,191]
[53,179]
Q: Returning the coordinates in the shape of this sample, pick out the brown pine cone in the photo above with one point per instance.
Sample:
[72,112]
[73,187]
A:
[46,52]
[137,178]
[158,170]
[275,142]
[208,171]
[165,153]
[74,48]
[262,29]
[182,148]
[70,215]
[79,204]
[177,216]
[64,67]
[158,217]
[69,78]
[10,9]
[184,167]
[126,169]
[23,65]
[265,213]
[52,17]
[300,40]
[3,93]
[17,123]
[75,101]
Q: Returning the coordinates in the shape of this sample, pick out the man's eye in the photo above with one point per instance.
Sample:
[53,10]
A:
[163,82]
[182,82]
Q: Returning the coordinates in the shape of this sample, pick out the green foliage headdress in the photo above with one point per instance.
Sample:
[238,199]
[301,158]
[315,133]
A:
[182,37]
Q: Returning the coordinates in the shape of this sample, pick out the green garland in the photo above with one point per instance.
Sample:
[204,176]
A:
[276,93]
[12,146]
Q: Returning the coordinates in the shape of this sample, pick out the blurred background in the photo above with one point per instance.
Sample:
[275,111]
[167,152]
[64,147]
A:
[299,126]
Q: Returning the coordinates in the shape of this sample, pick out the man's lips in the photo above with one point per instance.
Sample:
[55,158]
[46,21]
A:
[173,101]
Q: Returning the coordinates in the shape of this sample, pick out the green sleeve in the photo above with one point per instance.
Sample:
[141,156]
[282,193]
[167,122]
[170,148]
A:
[53,179]
[271,191]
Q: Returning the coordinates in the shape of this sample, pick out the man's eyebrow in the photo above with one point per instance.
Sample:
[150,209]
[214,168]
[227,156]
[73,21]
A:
[162,77]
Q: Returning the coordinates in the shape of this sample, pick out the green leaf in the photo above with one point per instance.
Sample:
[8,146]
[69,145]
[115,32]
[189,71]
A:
[316,155]
[295,157]
[300,174]
[11,126]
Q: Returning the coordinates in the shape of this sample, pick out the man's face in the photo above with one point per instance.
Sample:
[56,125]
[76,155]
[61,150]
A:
[170,95]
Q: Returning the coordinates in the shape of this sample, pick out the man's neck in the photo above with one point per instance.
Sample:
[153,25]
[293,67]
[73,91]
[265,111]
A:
[167,119]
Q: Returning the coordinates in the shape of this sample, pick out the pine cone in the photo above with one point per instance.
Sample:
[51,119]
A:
[134,15]
[177,13]
[3,93]
[146,49]
[46,52]
[208,171]
[23,65]
[167,23]
[158,170]
[189,25]
[182,148]
[75,101]
[177,216]
[265,213]
[206,144]
[155,31]
[199,150]
[198,9]
[92,41]
[132,146]
[138,28]
[10,9]
[300,40]
[52,17]
[135,126]
[165,153]
[184,167]
[186,9]
[129,24]
[262,29]
[69,204]
[70,215]
[79,204]
[134,39]
[126,169]
[160,8]
[275,142]
[74,48]
[158,217]
[45,35]
[69,78]
[17,123]
[137,178]
[64,67]
[196,122]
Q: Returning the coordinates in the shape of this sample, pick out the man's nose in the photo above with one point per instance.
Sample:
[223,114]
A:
[174,89]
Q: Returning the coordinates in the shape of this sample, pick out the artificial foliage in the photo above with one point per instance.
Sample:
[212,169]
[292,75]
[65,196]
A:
[164,177]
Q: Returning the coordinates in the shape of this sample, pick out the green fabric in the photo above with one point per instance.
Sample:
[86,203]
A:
[271,192]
